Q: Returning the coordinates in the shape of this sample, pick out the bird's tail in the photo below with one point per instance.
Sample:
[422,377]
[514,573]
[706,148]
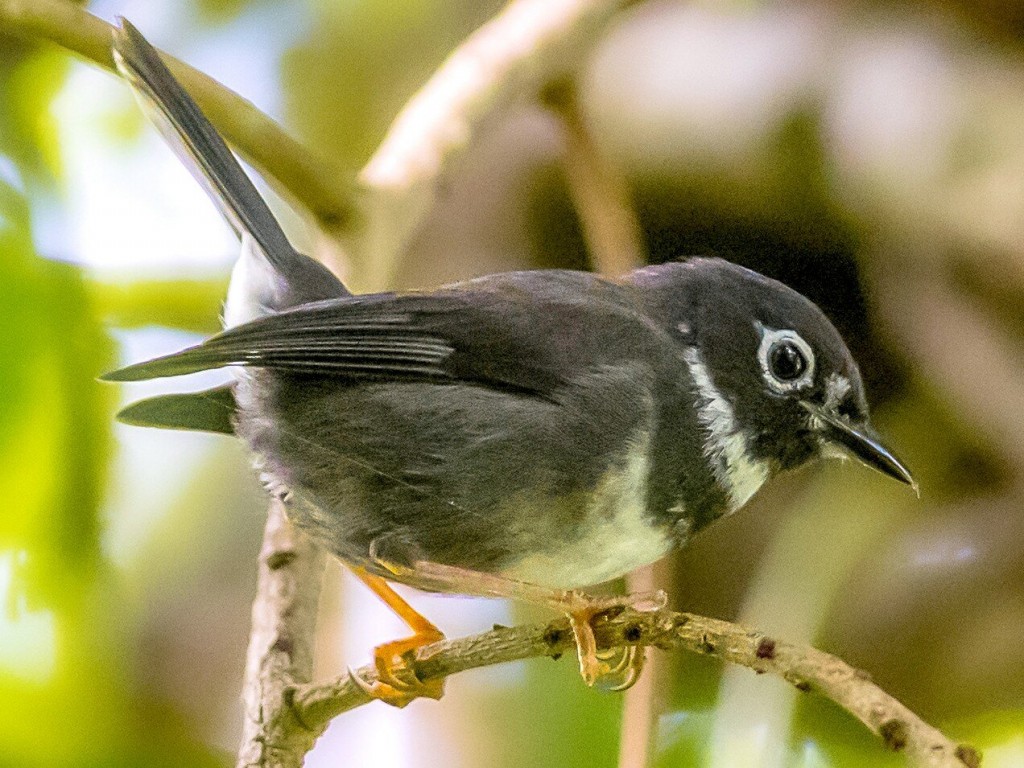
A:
[277,276]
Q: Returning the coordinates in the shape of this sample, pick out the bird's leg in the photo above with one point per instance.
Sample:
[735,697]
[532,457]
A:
[581,608]
[389,658]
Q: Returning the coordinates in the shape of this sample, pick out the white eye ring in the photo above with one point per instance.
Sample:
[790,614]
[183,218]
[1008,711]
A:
[770,338]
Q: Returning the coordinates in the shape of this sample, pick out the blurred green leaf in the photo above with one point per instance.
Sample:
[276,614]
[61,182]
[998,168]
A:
[189,305]
[53,433]
[68,691]
[554,719]
[30,76]
[222,11]
[683,737]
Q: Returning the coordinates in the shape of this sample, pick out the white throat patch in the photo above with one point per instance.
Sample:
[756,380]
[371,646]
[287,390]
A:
[726,446]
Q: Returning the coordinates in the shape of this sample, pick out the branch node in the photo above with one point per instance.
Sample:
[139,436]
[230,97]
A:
[765,649]
[894,734]
[632,633]
[968,755]
[280,558]
[554,637]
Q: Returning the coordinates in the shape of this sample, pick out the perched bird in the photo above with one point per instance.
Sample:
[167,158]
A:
[522,435]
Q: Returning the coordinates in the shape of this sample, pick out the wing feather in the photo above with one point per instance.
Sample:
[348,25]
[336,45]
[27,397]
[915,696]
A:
[502,336]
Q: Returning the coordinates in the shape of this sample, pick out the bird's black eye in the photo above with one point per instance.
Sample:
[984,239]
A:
[786,361]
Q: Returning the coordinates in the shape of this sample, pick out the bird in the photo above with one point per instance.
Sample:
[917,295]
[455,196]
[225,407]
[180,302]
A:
[527,434]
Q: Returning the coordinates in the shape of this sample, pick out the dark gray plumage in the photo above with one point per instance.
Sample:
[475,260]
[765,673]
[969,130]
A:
[552,427]
[480,425]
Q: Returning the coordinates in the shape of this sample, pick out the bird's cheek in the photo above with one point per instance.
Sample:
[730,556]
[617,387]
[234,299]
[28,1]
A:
[801,450]
[794,445]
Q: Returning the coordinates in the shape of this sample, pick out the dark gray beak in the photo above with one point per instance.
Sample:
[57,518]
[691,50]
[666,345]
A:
[862,443]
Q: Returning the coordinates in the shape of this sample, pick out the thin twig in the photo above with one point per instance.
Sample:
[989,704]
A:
[806,668]
[598,189]
[644,700]
[303,176]
[280,646]
[519,51]
[615,243]
[950,353]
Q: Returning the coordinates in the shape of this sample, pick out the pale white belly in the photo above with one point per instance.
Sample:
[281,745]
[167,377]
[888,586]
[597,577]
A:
[618,538]
[605,552]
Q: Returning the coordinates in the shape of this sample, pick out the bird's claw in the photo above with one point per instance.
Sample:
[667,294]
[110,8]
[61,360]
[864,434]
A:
[397,693]
[397,683]
[628,661]
[622,672]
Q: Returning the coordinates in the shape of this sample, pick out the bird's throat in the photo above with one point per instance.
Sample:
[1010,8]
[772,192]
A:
[725,446]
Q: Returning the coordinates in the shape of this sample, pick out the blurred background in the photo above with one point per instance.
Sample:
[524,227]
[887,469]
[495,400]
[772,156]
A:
[871,155]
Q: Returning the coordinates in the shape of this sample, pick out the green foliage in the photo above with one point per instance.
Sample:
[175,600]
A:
[189,305]
[67,692]
[221,11]
[579,726]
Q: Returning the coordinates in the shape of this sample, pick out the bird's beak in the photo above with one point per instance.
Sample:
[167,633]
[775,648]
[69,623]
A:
[861,443]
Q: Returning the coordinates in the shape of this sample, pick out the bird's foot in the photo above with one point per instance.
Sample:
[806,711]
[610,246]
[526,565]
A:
[613,669]
[397,683]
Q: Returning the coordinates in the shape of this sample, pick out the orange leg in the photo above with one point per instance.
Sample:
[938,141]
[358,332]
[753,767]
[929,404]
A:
[392,686]
[581,608]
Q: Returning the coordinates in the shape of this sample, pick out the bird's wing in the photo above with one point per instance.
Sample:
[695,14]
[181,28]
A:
[507,339]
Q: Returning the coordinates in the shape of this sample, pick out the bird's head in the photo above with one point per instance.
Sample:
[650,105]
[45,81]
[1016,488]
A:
[766,358]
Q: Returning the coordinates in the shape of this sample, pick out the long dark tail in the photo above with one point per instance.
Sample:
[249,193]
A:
[274,276]
[205,154]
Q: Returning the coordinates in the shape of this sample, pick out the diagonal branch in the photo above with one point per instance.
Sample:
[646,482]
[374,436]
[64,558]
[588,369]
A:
[806,668]
[515,54]
[304,176]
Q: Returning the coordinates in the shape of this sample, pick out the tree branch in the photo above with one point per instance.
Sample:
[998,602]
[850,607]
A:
[528,44]
[280,646]
[806,668]
[302,175]
[517,52]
